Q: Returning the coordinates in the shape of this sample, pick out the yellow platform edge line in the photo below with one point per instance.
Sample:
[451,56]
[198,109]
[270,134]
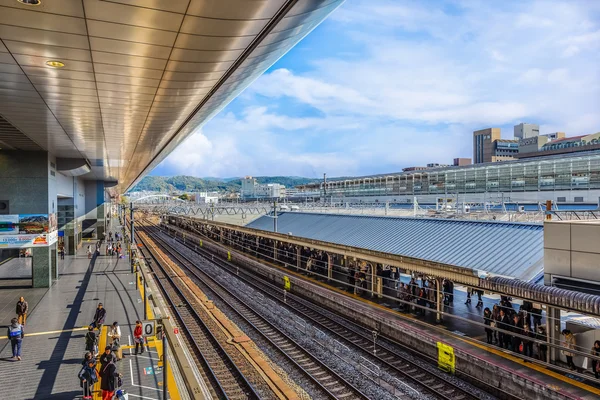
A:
[172,385]
[50,332]
[533,366]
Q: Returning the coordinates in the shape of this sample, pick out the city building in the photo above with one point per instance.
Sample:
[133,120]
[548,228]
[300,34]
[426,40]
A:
[409,169]
[298,192]
[525,130]
[565,145]
[252,189]
[248,187]
[563,178]
[207,198]
[505,149]
[436,165]
[555,135]
[532,144]
[483,144]
[459,162]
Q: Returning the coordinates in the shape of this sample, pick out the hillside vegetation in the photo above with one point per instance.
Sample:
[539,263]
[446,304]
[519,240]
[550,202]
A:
[194,184]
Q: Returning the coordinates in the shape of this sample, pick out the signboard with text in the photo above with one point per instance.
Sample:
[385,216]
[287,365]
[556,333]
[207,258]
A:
[27,230]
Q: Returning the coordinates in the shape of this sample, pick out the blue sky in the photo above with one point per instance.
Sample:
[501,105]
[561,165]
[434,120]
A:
[381,85]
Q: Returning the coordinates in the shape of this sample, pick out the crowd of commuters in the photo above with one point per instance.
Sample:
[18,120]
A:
[103,367]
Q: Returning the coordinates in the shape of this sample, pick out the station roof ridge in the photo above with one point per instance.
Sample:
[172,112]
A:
[537,225]
[498,248]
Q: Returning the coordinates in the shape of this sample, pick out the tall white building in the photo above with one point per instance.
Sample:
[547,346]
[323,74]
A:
[252,189]
[525,130]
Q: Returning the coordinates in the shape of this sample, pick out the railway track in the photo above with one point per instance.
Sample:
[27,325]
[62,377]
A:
[225,378]
[330,384]
[392,362]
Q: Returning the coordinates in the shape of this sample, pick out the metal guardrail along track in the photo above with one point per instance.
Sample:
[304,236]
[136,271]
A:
[225,378]
[331,383]
[394,363]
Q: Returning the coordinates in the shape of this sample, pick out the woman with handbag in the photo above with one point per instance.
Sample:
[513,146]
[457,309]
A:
[108,385]
[138,337]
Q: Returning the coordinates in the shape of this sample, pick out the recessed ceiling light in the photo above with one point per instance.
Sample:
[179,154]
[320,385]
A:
[30,2]
[55,64]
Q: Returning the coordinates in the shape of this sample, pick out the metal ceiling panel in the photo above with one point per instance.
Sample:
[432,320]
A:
[40,36]
[130,48]
[63,7]
[129,15]
[194,42]
[49,52]
[139,76]
[39,20]
[136,34]
[235,9]
[176,6]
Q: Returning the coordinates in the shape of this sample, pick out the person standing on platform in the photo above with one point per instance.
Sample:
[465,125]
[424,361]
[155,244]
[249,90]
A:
[596,363]
[22,310]
[99,317]
[109,375]
[91,341]
[88,377]
[569,343]
[115,336]
[138,337]
[89,251]
[107,357]
[542,347]
[15,334]
[487,319]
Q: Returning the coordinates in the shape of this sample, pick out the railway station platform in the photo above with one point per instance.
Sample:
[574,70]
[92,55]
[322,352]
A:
[54,346]
[420,332]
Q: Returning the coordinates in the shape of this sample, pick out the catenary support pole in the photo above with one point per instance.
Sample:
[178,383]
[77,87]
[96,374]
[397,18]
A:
[165,364]
[132,242]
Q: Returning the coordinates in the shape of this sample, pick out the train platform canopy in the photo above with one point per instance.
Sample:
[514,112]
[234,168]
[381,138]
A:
[514,250]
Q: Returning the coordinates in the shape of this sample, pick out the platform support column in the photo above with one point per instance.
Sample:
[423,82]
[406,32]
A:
[41,267]
[275,250]
[329,267]
[299,257]
[440,298]
[553,332]
[373,280]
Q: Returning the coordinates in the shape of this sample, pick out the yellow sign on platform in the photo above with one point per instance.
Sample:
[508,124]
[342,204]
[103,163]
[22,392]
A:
[446,359]
[228,256]
[287,284]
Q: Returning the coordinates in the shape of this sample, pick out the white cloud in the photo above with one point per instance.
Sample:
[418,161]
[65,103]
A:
[418,81]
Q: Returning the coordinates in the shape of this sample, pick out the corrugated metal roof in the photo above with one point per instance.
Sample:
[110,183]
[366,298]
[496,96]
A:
[499,248]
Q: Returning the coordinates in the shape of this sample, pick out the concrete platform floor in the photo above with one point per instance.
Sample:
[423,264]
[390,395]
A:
[54,346]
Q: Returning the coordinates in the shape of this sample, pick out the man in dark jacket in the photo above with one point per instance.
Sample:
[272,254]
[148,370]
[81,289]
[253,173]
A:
[22,309]
[99,317]
[16,334]
[107,357]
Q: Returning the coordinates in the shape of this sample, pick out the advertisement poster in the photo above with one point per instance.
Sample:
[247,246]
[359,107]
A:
[52,223]
[33,223]
[24,241]
[9,224]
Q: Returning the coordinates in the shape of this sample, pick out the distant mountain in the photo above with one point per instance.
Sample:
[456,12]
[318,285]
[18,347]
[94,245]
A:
[193,184]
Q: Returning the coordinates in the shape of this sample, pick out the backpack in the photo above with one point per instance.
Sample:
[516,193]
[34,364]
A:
[15,332]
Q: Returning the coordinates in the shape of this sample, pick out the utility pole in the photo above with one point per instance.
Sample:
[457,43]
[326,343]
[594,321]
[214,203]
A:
[275,216]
